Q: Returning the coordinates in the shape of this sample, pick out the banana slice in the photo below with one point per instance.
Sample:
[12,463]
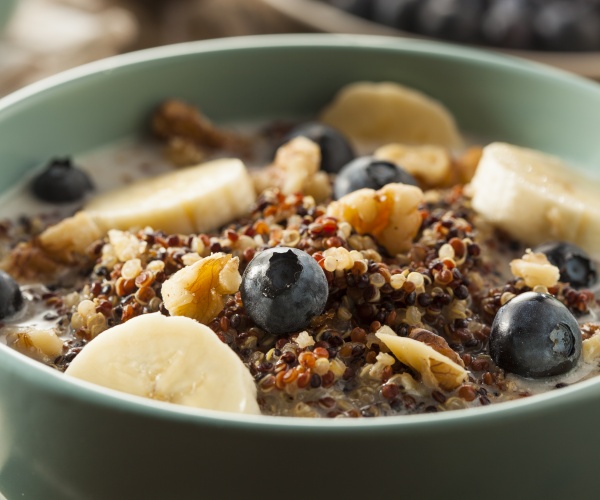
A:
[535,197]
[200,198]
[195,199]
[431,165]
[173,359]
[374,114]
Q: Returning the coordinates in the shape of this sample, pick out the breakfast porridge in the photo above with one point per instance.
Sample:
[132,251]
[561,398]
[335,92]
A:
[367,263]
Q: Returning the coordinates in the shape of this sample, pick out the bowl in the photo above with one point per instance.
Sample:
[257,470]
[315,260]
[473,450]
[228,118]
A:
[321,17]
[62,438]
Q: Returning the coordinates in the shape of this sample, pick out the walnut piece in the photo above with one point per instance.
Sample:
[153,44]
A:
[70,238]
[177,119]
[436,342]
[182,151]
[29,263]
[391,214]
[198,291]
[591,349]
[54,250]
[41,344]
[437,370]
[295,169]
[591,342]
[535,269]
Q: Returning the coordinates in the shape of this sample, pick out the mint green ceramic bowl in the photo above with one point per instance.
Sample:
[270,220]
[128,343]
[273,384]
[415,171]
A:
[64,439]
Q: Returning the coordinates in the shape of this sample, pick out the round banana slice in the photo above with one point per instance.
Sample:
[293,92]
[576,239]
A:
[374,114]
[200,198]
[535,197]
[173,359]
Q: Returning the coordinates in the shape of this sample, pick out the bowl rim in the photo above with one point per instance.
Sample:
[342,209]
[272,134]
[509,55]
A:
[483,56]
[56,383]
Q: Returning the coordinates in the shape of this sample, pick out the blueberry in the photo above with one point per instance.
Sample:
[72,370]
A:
[368,172]
[61,182]
[534,335]
[575,266]
[361,8]
[398,14]
[507,23]
[335,149]
[457,20]
[283,289]
[567,26]
[11,299]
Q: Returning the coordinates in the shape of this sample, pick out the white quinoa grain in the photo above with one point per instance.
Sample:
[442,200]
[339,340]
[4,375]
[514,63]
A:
[131,269]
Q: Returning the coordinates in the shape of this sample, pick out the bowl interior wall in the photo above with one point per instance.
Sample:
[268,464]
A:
[491,97]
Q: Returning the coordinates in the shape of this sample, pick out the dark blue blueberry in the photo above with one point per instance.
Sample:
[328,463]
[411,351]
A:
[368,172]
[398,14]
[567,26]
[574,264]
[283,289]
[508,23]
[11,299]
[534,335]
[61,182]
[457,20]
[335,149]
[361,8]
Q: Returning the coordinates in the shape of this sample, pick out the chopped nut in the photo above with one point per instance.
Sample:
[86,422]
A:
[70,238]
[125,245]
[304,340]
[295,170]
[176,119]
[198,291]
[436,342]
[28,262]
[535,269]
[591,348]
[43,345]
[391,214]
[183,152]
[63,244]
[436,369]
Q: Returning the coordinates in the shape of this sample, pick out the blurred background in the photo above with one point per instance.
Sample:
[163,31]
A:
[42,37]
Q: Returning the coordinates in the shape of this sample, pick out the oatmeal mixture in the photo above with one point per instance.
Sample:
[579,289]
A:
[346,292]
